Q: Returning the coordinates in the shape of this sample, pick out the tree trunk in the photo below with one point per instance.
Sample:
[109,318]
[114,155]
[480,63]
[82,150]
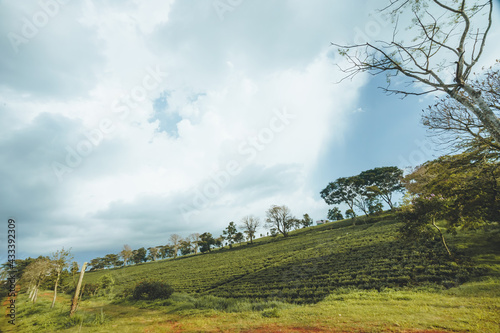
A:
[389,202]
[35,294]
[31,292]
[74,302]
[481,110]
[442,236]
[55,289]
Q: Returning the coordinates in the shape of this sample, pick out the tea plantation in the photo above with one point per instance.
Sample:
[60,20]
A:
[308,265]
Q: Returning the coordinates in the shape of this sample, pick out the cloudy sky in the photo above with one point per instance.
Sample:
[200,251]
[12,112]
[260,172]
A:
[126,121]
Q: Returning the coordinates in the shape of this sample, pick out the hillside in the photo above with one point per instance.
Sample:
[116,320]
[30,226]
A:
[313,262]
[408,288]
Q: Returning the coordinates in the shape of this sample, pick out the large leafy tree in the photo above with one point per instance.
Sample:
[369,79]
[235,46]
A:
[206,242]
[383,182]
[139,255]
[186,247]
[364,199]
[281,219]
[342,190]
[239,237]
[470,180]
[446,37]
[166,251]
[112,260]
[335,214]
[97,263]
[420,217]
[229,234]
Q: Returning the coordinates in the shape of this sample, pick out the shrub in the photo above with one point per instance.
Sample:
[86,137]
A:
[271,313]
[152,290]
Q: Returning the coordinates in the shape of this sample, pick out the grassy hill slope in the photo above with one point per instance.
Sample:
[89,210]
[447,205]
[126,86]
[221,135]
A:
[312,262]
[331,264]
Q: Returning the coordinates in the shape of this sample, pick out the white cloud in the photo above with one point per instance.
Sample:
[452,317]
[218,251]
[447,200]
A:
[230,84]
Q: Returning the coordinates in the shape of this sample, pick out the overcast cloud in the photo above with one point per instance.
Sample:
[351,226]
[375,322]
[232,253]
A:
[127,121]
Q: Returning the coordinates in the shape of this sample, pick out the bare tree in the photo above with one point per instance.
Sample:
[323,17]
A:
[176,243]
[280,218]
[35,274]
[454,125]
[250,225]
[449,40]
[126,254]
[60,260]
[195,238]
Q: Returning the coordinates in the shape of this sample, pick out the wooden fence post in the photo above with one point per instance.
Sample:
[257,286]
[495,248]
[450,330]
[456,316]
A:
[77,291]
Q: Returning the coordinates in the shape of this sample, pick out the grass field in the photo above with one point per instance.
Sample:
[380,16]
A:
[331,278]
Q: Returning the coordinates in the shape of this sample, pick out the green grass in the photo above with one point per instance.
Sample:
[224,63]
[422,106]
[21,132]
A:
[471,307]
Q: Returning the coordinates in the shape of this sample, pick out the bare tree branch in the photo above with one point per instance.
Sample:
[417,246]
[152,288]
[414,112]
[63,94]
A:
[443,41]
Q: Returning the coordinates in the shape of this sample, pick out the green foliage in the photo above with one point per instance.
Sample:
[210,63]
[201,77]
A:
[335,214]
[151,290]
[365,190]
[166,251]
[206,242]
[40,317]
[230,234]
[470,182]
[382,182]
[186,247]
[239,237]
[105,283]
[342,190]
[306,221]
[271,313]
[350,214]
[139,255]
[420,218]
[375,207]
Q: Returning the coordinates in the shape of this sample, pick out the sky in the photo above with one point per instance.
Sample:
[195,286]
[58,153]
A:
[127,121]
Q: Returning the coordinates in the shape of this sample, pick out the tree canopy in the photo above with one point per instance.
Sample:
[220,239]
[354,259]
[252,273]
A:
[470,180]
[364,190]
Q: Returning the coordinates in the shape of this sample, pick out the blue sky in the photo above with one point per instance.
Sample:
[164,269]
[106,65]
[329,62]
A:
[127,121]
